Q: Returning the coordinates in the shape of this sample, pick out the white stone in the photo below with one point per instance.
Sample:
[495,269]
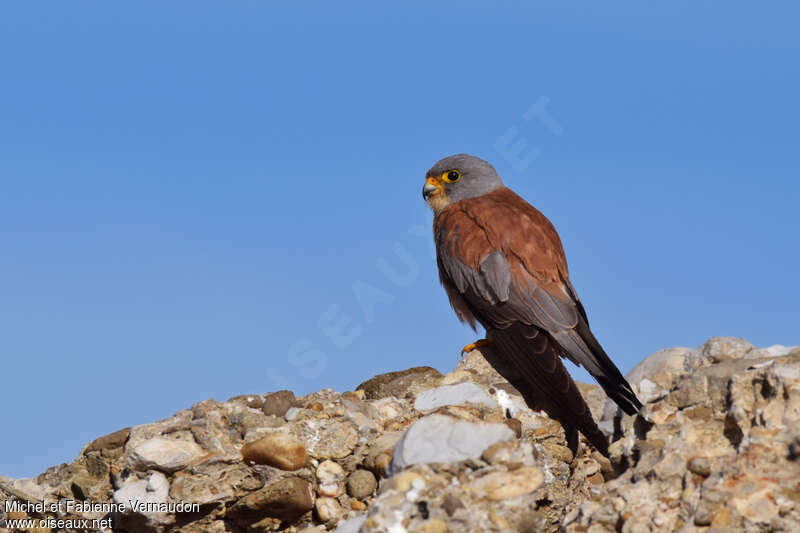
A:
[776,350]
[152,490]
[29,487]
[328,508]
[167,455]
[658,363]
[717,349]
[649,391]
[330,476]
[293,413]
[352,525]
[444,439]
[388,407]
[457,394]
[787,372]
[509,404]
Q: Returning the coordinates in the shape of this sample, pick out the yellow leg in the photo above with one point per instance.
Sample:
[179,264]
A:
[477,345]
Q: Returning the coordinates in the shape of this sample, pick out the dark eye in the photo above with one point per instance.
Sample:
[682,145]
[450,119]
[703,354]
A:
[452,176]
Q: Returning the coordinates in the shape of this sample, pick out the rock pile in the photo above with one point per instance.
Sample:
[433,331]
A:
[716,446]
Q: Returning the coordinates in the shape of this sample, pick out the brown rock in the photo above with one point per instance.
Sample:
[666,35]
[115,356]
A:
[277,403]
[286,499]
[112,440]
[353,396]
[361,484]
[82,484]
[380,453]
[400,383]
[451,504]
[279,450]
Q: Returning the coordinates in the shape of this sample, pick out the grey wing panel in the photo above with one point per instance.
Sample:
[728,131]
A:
[491,282]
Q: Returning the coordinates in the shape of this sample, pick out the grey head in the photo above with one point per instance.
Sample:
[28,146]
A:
[459,177]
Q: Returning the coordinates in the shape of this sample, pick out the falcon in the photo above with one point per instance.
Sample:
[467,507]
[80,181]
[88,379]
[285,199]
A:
[502,266]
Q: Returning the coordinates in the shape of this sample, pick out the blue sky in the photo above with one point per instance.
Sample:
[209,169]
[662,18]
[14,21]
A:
[208,199]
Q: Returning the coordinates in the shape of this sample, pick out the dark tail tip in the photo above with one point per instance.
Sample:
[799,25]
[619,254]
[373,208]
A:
[622,394]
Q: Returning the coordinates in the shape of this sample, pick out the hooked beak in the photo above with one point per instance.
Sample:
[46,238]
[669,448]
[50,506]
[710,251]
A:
[431,187]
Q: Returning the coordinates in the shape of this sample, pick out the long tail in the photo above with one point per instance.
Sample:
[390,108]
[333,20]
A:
[529,360]
[580,345]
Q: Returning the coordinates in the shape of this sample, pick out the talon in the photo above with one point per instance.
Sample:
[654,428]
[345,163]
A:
[477,345]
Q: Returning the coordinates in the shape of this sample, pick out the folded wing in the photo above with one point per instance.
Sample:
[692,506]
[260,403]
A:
[504,261]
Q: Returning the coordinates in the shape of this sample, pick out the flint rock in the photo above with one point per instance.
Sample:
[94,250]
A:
[166,455]
[460,393]
[139,497]
[443,439]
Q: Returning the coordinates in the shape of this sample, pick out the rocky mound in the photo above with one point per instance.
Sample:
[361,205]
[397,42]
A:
[716,446]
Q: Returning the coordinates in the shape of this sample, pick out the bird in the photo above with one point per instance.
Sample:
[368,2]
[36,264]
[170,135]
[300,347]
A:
[502,265]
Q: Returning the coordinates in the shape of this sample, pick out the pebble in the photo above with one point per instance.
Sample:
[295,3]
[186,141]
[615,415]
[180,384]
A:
[277,403]
[166,455]
[361,484]
[451,504]
[380,452]
[700,466]
[328,509]
[329,479]
[279,450]
[294,413]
